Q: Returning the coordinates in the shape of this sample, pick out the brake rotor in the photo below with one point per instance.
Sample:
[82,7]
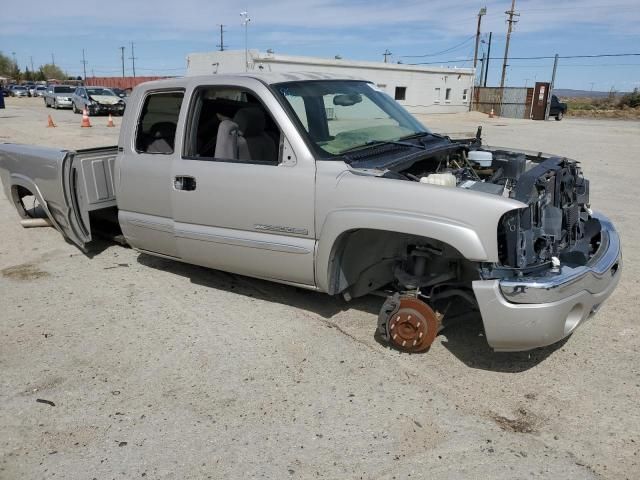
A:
[414,326]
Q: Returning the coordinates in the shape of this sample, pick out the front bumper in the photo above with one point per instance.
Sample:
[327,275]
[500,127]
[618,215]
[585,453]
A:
[530,312]
[103,108]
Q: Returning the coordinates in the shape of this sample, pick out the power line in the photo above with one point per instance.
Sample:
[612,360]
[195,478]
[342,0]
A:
[443,51]
[542,57]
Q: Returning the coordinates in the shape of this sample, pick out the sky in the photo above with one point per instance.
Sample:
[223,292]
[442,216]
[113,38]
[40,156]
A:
[165,31]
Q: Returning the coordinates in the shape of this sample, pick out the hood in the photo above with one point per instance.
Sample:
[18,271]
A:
[105,99]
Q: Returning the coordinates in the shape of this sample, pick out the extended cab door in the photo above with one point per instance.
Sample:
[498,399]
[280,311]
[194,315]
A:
[144,186]
[242,200]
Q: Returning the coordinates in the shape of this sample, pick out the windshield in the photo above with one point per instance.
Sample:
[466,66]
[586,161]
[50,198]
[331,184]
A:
[19,88]
[63,90]
[100,91]
[342,115]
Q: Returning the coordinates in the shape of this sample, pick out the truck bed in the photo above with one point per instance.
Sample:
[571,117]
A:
[68,184]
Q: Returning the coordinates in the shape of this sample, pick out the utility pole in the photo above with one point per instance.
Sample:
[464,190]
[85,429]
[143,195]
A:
[122,59]
[133,60]
[591,83]
[15,59]
[553,79]
[84,66]
[512,13]
[53,60]
[486,67]
[31,58]
[245,22]
[483,11]
[386,54]
[221,44]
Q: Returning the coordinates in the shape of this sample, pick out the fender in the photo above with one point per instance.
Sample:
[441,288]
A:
[460,236]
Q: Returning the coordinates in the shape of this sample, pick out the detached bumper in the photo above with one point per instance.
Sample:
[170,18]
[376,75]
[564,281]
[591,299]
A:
[531,312]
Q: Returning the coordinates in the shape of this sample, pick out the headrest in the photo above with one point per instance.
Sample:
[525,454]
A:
[163,130]
[250,121]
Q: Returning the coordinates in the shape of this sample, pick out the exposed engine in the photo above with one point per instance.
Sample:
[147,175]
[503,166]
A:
[555,226]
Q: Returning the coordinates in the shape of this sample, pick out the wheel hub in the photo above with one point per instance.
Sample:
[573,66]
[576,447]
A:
[413,326]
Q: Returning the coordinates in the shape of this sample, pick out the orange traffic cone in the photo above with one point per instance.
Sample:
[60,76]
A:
[110,122]
[85,119]
[51,124]
[491,113]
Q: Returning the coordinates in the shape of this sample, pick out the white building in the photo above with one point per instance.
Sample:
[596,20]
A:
[421,89]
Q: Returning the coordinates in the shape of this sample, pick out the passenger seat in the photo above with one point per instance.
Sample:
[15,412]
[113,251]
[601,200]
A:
[245,138]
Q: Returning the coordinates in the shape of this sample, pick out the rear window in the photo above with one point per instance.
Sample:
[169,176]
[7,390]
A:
[63,89]
[156,132]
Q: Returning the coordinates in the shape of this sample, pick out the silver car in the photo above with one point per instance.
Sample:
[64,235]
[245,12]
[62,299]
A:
[58,96]
[18,91]
[97,100]
[39,91]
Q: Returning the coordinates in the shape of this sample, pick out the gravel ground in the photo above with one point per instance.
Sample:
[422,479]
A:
[164,370]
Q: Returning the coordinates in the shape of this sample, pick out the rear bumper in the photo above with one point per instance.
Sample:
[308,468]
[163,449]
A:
[538,311]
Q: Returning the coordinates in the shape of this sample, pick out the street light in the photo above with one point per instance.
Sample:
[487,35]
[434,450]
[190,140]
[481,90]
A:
[245,22]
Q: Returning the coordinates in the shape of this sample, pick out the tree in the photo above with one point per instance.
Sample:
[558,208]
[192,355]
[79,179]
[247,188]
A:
[6,65]
[51,71]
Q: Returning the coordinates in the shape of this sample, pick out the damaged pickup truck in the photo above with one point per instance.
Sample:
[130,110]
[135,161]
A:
[328,184]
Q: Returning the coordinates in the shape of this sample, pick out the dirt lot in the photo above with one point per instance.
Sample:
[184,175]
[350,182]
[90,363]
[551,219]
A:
[163,370]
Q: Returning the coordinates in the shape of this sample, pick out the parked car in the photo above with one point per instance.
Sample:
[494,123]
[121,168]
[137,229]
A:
[557,108]
[18,91]
[5,91]
[40,91]
[31,89]
[245,174]
[58,96]
[97,100]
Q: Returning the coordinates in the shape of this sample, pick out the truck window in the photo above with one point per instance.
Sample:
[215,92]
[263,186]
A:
[231,124]
[156,132]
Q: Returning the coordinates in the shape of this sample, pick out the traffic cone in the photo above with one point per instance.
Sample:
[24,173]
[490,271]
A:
[110,122]
[51,124]
[85,119]
[491,113]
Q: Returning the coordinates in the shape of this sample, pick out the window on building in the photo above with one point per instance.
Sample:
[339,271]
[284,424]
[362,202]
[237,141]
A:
[465,95]
[447,95]
[157,124]
[401,93]
[436,96]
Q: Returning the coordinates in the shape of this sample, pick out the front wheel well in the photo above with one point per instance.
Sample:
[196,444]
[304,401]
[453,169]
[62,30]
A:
[366,260]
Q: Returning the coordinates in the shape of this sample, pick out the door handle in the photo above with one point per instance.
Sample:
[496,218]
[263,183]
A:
[184,182]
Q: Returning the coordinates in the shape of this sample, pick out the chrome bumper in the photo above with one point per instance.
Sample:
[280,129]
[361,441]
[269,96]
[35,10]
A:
[533,312]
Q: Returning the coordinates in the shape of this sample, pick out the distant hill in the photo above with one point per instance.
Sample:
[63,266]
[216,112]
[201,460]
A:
[568,92]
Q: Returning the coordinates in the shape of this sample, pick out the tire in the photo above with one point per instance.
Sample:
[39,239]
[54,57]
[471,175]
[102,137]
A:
[559,116]
[46,104]
[55,104]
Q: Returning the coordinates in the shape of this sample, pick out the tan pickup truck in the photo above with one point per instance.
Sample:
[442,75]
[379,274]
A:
[328,184]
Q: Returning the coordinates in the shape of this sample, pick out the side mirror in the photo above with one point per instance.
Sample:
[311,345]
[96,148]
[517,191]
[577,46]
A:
[348,99]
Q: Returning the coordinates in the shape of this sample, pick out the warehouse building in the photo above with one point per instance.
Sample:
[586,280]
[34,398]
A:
[420,89]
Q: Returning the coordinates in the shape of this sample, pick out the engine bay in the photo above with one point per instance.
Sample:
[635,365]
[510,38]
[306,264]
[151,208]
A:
[555,227]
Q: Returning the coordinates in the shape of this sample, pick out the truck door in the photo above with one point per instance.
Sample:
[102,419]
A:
[144,172]
[242,201]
